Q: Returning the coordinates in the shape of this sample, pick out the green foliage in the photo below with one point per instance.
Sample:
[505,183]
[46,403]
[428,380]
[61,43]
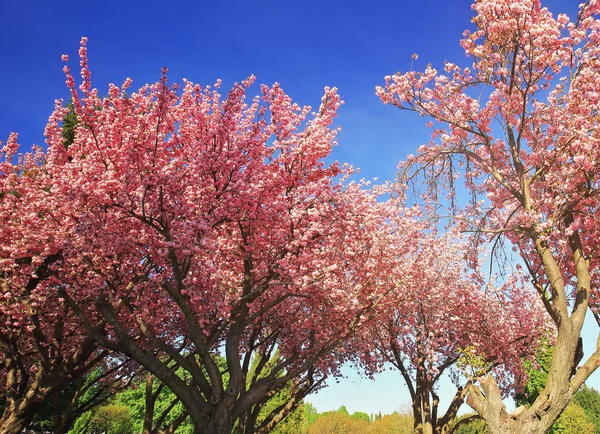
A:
[474,426]
[471,362]
[343,409]
[537,375]
[310,415]
[134,399]
[360,416]
[572,421]
[589,400]
[83,424]
[111,419]
[293,422]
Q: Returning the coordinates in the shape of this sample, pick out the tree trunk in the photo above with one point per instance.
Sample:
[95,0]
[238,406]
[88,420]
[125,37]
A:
[63,417]
[518,426]
[564,378]
[421,404]
[13,423]
[422,424]
[219,424]
[221,421]
[426,411]
[443,428]
[17,415]
[427,428]
[534,420]
[417,417]
[150,402]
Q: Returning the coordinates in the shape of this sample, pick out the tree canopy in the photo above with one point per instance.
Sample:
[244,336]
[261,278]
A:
[205,238]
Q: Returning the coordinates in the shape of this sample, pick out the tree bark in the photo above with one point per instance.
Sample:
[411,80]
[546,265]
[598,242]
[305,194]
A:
[221,418]
[149,401]
[534,420]
[15,422]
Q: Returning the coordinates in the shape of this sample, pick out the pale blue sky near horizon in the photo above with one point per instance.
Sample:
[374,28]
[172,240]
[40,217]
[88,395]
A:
[304,45]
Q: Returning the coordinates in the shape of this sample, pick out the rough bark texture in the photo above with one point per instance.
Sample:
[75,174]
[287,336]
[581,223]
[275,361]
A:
[14,423]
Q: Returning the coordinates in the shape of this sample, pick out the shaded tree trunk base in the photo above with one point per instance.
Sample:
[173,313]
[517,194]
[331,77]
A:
[12,424]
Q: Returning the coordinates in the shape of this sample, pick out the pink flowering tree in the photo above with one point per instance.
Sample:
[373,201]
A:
[449,321]
[520,125]
[42,347]
[201,227]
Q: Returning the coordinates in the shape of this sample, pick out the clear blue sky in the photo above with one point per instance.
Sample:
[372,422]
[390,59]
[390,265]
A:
[303,44]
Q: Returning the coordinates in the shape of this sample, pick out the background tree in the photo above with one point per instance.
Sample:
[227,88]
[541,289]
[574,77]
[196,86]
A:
[111,419]
[521,126]
[395,423]
[338,421]
[310,416]
[470,424]
[571,421]
[360,415]
[59,412]
[450,321]
[537,375]
[589,400]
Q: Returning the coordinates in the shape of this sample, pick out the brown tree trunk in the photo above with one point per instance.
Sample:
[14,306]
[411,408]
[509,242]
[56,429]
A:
[421,415]
[221,421]
[13,423]
[417,417]
[426,411]
[534,420]
[442,428]
[150,401]
[421,405]
[63,417]
[20,409]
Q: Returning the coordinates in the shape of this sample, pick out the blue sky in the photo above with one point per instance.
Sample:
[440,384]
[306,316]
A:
[304,45]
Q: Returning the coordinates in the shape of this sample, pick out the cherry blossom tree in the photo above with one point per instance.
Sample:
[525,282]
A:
[200,226]
[521,126]
[451,321]
[42,347]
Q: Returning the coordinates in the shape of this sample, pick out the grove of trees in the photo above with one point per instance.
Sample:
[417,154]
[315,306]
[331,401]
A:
[177,260]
